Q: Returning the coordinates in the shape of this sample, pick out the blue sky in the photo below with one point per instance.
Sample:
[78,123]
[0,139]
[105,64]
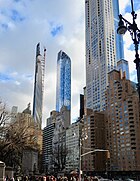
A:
[125,10]
[24,23]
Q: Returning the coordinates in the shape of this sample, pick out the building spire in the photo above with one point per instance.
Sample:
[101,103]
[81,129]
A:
[38,49]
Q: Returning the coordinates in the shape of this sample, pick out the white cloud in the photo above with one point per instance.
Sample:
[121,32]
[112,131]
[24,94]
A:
[123,5]
[19,38]
[17,83]
[129,48]
[17,48]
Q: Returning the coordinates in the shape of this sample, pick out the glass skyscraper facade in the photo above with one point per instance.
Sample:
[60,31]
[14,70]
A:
[63,85]
[38,86]
[123,66]
[118,38]
[103,48]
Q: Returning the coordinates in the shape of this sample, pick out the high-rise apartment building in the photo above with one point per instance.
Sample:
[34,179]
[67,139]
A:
[54,140]
[94,130]
[123,123]
[103,48]
[63,87]
[38,86]
[48,133]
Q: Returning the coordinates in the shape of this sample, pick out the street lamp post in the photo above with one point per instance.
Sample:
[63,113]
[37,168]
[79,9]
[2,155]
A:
[80,154]
[91,151]
[80,160]
[135,34]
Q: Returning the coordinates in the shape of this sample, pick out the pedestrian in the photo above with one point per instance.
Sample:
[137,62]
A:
[7,178]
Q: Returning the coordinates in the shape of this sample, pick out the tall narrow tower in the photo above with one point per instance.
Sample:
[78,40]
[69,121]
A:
[103,48]
[39,86]
[63,87]
[118,38]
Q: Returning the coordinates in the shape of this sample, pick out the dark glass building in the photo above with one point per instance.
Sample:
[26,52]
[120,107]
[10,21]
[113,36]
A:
[81,106]
[63,87]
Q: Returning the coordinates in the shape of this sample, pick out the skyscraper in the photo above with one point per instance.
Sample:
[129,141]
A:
[81,106]
[124,67]
[123,123]
[48,133]
[118,38]
[38,86]
[103,48]
[63,87]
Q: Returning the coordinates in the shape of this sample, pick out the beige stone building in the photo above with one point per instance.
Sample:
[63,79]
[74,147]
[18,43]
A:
[122,123]
[73,147]
[26,121]
[31,154]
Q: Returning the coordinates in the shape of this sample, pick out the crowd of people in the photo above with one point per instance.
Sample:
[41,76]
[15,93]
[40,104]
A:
[51,178]
[63,178]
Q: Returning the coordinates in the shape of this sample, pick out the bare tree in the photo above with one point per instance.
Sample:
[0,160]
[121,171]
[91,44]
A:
[17,137]
[59,157]
[4,114]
